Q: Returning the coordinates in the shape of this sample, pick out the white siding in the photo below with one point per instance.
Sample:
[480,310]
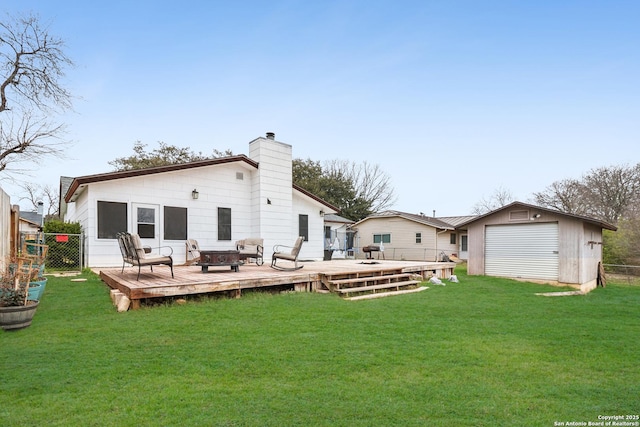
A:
[273,195]
[312,249]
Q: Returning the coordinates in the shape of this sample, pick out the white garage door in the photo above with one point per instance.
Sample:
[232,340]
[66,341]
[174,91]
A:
[528,251]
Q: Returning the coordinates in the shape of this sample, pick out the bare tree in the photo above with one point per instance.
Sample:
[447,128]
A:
[372,186]
[375,185]
[612,191]
[500,197]
[607,193]
[32,65]
[568,195]
[36,193]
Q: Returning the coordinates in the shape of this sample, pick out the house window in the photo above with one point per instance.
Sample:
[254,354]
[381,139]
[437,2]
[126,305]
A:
[224,224]
[463,243]
[418,237]
[382,238]
[303,226]
[175,223]
[146,221]
[452,238]
[112,219]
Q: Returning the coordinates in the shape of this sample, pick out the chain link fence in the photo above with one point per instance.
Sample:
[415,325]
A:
[628,273]
[64,252]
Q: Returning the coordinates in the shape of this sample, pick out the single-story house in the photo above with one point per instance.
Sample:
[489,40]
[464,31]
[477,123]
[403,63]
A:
[528,242]
[405,236]
[216,202]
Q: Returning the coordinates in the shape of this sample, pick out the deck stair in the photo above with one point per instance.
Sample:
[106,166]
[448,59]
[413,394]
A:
[371,284]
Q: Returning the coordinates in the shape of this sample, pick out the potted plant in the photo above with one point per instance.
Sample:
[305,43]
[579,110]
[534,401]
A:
[16,310]
[36,288]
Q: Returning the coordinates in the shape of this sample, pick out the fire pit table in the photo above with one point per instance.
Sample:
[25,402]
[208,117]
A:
[372,248]
[219,259]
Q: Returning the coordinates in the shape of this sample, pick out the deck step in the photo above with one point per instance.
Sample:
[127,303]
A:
[379,286]
[369,278]
[387,294]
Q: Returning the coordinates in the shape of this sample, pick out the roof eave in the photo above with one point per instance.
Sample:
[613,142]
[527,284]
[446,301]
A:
[316,198]
[602,224]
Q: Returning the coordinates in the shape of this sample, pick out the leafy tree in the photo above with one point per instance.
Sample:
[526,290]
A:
[163,155]
[335,188]
[308,174]
[621,246]
[32,65]
[357,189]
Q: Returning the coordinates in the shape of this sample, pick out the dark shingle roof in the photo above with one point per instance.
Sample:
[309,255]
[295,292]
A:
[33,217]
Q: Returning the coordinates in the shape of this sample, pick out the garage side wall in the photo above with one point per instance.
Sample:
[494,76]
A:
[592,256]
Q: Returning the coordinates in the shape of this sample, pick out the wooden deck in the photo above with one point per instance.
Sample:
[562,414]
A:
[190,280]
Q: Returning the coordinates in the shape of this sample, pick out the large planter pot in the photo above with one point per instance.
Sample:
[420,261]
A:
[36,289]
[13,318]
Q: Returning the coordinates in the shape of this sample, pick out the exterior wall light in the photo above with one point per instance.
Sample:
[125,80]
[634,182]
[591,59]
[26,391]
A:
[195,194]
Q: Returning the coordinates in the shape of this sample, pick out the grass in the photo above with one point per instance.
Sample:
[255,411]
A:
[483,352]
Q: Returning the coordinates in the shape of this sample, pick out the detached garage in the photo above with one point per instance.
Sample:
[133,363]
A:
[527,242]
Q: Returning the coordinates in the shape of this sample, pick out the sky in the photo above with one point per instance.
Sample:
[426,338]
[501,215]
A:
[453,99]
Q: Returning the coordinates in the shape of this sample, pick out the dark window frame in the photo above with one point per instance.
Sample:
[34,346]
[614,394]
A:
[303,226]
[327,232]
[224,224]
[464,243]
[146,229]
[175,223]
[112,218]
[382,238]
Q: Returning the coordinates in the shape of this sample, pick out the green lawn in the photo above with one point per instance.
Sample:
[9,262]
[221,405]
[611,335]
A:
[484,351]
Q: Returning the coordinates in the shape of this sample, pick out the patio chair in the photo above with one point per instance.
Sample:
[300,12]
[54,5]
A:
[279,252]
[135,254]
[193,251]
[251,248]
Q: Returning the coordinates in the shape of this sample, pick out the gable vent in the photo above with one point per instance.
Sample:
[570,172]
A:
[239,175]
[518,215]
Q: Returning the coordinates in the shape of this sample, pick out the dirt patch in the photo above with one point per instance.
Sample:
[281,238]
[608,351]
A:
[560,294]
